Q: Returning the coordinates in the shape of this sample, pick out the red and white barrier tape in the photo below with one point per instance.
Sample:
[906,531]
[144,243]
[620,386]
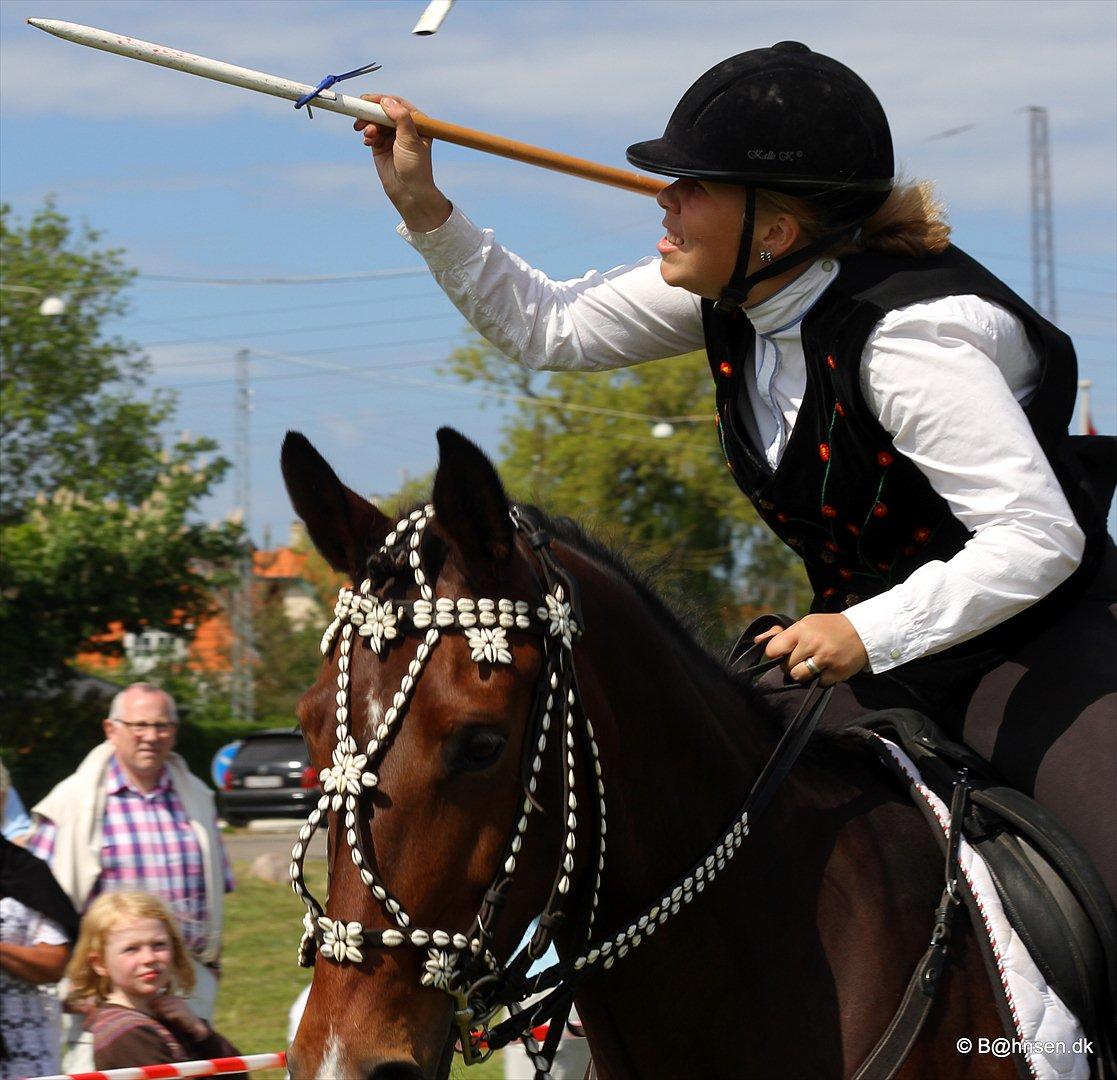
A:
[208,1067]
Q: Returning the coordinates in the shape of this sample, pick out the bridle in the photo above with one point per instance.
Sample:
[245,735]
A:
[461,964]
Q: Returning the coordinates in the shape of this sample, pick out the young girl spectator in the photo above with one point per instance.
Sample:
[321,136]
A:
[127,971]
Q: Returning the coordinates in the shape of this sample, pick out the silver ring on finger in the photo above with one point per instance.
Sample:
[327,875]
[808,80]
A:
[812,667]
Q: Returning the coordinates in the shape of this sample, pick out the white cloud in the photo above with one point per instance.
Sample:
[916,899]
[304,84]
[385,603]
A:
[592,77]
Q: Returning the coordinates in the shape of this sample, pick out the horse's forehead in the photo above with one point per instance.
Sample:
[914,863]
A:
[452,682]
[458,579]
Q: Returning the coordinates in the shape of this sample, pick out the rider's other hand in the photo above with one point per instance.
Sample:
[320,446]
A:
[830,640]
[403,163]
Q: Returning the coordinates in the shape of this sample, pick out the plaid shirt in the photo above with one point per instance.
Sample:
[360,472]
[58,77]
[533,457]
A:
[148,846]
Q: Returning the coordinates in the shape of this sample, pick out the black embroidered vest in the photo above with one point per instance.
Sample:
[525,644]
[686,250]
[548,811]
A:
[861,515]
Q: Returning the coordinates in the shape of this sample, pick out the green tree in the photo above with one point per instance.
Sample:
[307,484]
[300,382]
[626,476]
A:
[70,415]
[322,578]
[96,517]
[288,656]
[582,444]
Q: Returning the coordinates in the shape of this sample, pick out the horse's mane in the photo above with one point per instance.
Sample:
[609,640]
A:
[685,621]
[685,624]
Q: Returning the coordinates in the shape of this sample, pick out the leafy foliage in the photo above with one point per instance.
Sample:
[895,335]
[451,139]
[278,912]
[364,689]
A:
[582,444]
[287,656]
[70,415]
[96,516]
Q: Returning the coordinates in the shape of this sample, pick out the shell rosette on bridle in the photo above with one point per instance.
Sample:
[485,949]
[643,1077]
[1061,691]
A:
[347,775]
[439,969]
[489,644]
[559,617]
[341,940]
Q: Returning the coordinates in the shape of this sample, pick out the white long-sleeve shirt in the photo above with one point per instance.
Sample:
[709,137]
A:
[945,378]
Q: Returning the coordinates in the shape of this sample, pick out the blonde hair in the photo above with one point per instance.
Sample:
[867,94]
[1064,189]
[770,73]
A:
[105,915]
[5,787]
[911,221]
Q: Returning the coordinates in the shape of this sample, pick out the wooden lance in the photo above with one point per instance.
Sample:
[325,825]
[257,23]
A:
[331,101]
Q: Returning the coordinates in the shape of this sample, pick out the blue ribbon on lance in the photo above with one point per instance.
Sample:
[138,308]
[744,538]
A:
[329,81]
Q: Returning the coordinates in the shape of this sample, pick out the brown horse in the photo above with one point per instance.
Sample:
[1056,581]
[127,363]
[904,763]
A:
[789,958]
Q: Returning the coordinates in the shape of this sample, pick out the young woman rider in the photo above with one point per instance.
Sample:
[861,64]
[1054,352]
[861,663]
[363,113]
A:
[896,414]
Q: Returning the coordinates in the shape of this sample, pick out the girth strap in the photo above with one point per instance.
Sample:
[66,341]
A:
[915,1006]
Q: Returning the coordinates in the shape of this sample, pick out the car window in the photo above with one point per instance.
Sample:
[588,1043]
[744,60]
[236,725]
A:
[269,750]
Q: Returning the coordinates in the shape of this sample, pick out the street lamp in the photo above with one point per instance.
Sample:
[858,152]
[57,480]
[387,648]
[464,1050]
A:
[52,304]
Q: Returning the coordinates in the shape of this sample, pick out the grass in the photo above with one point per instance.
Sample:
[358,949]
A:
[261,979]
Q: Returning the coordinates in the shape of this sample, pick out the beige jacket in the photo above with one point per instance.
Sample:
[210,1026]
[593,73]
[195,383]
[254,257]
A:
[76,807]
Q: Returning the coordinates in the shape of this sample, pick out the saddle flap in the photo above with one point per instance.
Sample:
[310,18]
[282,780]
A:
[1049,889]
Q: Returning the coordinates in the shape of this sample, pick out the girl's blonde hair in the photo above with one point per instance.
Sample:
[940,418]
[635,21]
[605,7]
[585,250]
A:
[105,915]
[911,222]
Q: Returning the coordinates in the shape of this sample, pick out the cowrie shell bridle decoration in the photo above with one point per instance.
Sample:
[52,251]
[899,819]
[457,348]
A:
[461,964]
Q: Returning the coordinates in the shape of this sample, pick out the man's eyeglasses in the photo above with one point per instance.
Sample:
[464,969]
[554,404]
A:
[139,727]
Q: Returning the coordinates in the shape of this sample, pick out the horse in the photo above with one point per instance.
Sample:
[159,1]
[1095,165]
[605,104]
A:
[785,949]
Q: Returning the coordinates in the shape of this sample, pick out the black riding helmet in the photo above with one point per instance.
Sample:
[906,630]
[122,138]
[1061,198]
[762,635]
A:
[789,120]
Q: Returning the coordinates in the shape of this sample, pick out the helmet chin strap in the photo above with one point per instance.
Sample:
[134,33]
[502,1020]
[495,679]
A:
[741,282]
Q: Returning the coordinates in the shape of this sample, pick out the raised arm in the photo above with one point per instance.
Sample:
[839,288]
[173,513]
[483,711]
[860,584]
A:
[602,320]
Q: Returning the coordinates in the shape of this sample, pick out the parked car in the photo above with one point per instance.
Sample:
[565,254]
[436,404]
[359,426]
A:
[271,776]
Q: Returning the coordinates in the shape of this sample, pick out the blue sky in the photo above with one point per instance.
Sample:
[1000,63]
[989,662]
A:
[200,180]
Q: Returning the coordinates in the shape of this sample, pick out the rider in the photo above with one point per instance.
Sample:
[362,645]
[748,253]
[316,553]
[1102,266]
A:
[896,414]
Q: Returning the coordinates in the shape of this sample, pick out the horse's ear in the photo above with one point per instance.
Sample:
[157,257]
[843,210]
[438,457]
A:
[343,526]
[469,500]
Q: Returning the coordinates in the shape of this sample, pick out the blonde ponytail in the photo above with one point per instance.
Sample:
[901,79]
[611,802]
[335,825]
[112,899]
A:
[910,223]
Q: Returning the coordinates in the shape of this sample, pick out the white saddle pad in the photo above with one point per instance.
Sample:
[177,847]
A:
[1046,1032]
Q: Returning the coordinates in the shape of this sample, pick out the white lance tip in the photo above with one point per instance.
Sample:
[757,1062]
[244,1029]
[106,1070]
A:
[432,17]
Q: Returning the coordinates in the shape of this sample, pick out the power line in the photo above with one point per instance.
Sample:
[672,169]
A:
[241,334]
[504,395]
[325,350]
[1095,269]
[284,308]
[317,279]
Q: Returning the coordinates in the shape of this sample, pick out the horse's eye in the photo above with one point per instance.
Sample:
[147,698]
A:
[478,749]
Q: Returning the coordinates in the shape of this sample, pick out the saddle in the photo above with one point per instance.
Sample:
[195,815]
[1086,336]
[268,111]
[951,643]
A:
[1050,891]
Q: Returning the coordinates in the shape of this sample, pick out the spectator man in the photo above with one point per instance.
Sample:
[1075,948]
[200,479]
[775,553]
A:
[133,817]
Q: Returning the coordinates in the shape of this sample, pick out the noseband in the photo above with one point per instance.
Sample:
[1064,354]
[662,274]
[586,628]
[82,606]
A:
[461,963]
